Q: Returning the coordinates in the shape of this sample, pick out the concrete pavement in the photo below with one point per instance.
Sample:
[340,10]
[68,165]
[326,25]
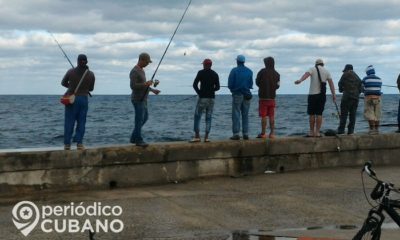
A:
[248,207]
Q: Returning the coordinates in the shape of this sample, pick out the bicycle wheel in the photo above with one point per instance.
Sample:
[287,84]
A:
[371,230]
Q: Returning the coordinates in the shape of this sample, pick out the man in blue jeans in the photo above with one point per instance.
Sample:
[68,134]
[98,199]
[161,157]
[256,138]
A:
[77,111]
[240,82]
[140,89]
[398,112]
[209,84]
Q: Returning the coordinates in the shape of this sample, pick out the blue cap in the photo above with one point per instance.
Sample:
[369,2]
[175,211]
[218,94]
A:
[240,58]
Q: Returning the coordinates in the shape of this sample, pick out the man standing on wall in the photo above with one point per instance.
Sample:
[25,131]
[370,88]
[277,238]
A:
[398,112]
[140,89]
[317,95]
[77,111]
[268,81]
[372,86]
[240,82]
[350,86]
[209,84]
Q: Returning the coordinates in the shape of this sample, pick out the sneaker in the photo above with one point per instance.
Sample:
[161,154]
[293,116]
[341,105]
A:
[67,147]
[373,132]
[262,135]
[245,137]
[271,136]
[142,144]
[195,140]
[235,137]
[80,146]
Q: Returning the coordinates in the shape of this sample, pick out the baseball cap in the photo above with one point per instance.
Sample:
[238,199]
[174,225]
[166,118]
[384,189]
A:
[82,57]
[240,58]
[348,67]
[145,56]
[207,61]
[319,61]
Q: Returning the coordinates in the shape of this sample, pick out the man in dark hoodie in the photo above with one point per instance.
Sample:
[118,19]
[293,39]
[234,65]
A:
[268,81]
[77,111]
[350,86]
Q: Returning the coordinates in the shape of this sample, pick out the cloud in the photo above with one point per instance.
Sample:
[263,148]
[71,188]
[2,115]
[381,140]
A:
[113,33]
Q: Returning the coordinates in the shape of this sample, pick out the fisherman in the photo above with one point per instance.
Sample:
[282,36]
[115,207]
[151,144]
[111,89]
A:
[140,90]
[350,86]
[240,82]
[398,111]
[209,84]
[77,111]
[372,86]
[268,81]
[317,95]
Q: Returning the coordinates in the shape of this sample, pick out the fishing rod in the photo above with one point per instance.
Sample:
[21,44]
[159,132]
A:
[62,50]
[166,49]
[173,35]
[65,55]
[337,109]
[389,86]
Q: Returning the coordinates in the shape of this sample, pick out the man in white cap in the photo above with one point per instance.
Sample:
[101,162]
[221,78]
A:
[317,95]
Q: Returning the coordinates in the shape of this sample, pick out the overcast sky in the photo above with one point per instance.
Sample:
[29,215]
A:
[114,33]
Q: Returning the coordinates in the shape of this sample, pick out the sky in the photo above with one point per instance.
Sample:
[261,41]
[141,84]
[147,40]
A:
[113,33]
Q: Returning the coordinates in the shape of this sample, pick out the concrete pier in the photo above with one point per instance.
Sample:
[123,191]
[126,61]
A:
[128,165]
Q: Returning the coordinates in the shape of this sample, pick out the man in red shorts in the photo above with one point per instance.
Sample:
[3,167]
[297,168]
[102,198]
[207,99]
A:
[268,81]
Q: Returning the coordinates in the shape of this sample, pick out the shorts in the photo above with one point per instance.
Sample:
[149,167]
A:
[316,104]
[372,109]
[266,108]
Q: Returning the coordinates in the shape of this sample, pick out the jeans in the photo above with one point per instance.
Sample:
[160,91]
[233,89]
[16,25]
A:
[203,104]
[348,107]
[240,106]
[141,116]
[398,116]
[75,112]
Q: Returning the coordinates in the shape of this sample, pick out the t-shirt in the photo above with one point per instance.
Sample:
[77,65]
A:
[315,85]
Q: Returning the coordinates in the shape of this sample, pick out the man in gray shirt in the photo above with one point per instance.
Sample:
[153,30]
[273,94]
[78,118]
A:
[140,89]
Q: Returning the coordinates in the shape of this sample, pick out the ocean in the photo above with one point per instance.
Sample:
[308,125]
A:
[33,121]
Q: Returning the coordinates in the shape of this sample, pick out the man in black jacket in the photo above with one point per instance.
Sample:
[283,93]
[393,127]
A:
[209,84]
[350,86]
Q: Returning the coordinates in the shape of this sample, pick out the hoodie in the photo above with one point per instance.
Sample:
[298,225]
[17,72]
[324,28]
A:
[268,80]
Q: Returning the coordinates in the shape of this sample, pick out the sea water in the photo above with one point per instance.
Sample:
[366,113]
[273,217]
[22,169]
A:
[37,120]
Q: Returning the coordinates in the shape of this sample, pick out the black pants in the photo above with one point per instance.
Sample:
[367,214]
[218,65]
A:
[348,107]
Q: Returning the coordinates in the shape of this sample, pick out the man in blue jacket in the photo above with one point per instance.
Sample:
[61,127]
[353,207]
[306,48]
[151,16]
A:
[240,82]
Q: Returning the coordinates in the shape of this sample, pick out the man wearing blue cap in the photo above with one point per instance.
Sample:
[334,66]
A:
[240,82]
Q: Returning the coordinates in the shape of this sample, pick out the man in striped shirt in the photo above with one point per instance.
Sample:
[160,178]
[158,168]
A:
[372,85]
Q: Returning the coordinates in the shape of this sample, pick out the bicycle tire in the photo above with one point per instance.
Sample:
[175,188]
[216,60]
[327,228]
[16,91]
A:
[371,230]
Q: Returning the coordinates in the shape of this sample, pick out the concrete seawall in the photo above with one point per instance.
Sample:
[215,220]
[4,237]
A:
[128,165]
